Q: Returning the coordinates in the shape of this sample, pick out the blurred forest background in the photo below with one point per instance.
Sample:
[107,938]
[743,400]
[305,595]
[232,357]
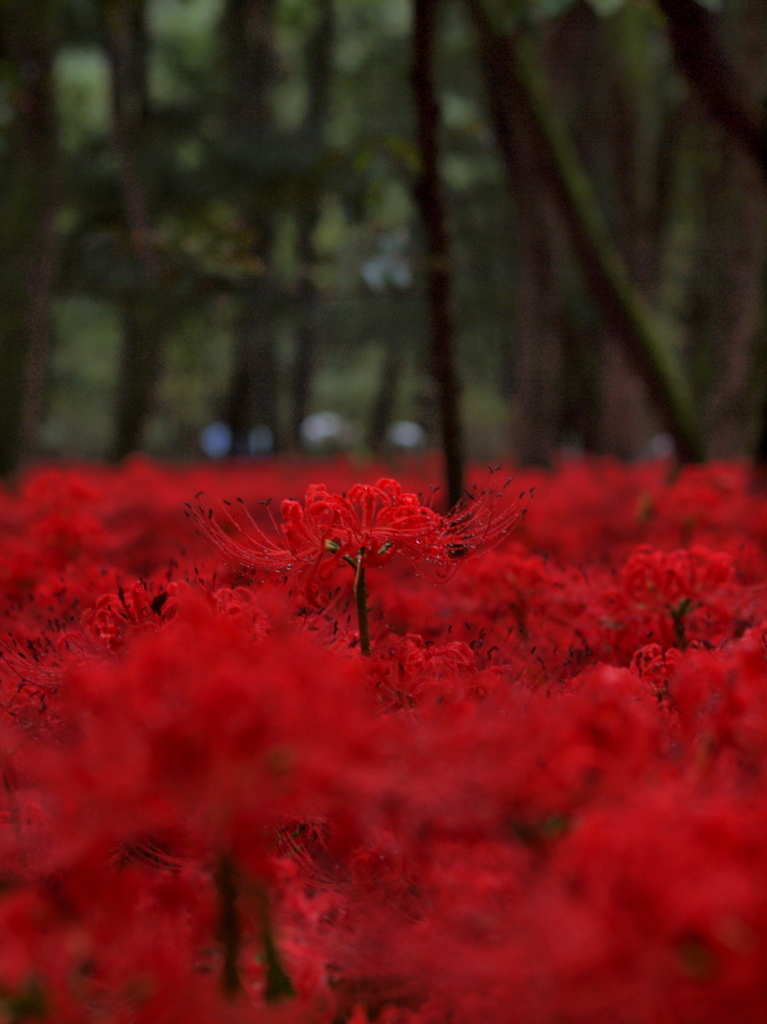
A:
[516,225]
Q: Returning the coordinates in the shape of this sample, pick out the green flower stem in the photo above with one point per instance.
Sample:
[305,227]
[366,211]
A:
[277,981]
[229,924]
[361,596]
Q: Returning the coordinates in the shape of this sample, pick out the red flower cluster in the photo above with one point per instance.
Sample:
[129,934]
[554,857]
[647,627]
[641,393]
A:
[369,524]
[542,796]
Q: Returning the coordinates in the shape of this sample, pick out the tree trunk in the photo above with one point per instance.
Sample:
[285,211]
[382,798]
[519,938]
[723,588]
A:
[29,199]
[144,313]
[304,359]
[391,372]
[252,395]
[431,205]
[319,71]
[248,28]
[516,83]
[692,30]
[536,365]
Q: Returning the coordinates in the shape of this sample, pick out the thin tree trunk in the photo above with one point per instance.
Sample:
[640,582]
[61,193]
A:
[305,356]
[248,29]
[692,30]
[125,44]
[252,395]
[144,313]
[43,267]
[760,449]
[516,83]
[29,199]
[536,366]
[431,204]
[391,371]
[319,73]
[304,359]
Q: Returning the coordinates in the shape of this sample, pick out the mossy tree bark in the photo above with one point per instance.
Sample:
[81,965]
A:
[517,86]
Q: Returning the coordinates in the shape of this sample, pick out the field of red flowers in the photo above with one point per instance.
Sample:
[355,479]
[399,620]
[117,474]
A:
[344,757]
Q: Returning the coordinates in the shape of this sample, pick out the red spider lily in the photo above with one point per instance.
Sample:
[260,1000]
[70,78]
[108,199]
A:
[366,526]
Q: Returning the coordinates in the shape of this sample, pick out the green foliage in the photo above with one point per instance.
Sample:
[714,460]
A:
[84,370]
[305,200]
[82,83]
[508,14]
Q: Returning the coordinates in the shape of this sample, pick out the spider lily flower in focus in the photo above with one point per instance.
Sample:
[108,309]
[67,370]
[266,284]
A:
[365,527]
